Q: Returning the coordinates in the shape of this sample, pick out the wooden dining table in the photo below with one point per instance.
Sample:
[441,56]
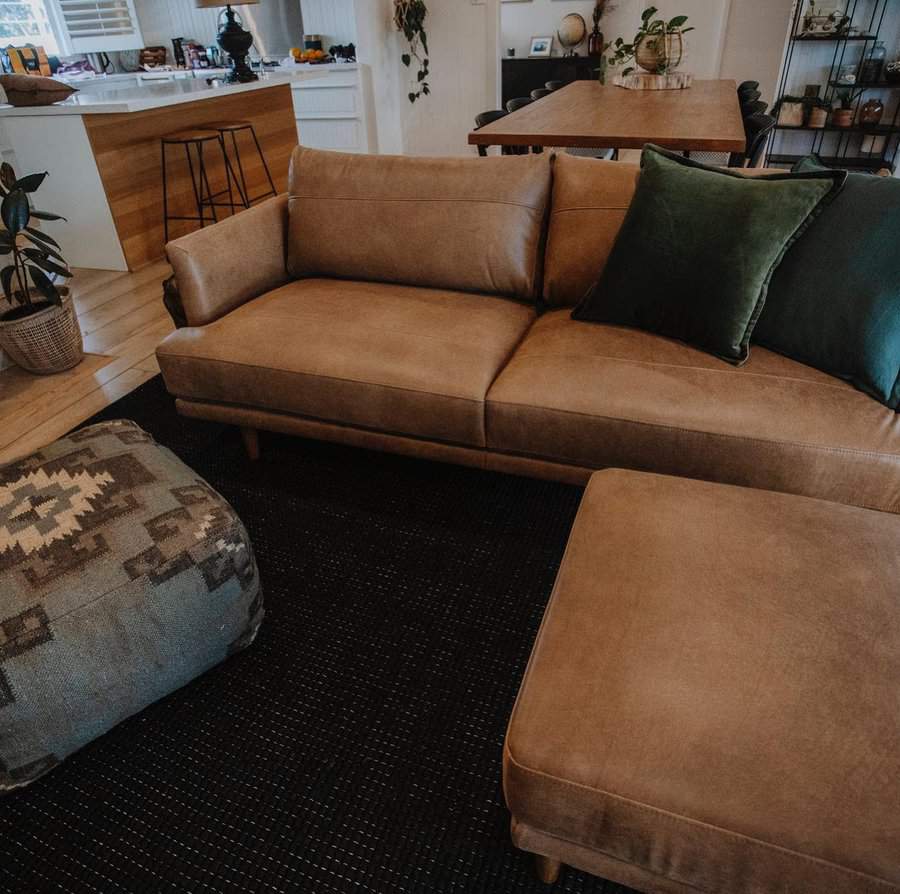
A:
[703,117]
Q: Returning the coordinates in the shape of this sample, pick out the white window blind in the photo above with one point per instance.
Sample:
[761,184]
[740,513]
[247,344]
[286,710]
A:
[91,26]
[26,22]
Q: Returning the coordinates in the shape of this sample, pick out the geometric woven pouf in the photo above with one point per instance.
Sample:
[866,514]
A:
[122,577]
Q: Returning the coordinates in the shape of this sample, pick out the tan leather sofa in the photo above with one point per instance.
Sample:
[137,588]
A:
[389,303]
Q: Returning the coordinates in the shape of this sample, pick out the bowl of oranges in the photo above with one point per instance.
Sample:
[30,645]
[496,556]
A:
[311,56]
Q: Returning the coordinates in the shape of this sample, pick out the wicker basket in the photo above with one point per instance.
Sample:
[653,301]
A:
[46,342]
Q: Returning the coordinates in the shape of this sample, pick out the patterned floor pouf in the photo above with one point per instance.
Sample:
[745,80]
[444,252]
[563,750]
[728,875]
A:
[123,576]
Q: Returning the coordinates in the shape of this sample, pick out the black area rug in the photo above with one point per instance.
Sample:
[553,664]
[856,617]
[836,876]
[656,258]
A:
[356,746]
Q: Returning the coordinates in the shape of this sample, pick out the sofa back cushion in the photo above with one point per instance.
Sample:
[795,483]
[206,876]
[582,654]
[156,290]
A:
[464,224]
[590,198]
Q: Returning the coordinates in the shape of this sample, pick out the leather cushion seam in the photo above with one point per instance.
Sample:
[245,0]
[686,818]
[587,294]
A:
[313,375]
[417,200]
[740,371]
[852,451]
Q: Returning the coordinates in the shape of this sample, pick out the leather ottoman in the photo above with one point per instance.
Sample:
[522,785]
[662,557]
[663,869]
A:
[713,700]
[123,576]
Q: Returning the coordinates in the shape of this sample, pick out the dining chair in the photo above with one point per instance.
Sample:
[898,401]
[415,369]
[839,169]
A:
[757,107]
[747,87]
[540,93]
[552,86]
[758,127]
[485,118]
[513,105]
[752,96]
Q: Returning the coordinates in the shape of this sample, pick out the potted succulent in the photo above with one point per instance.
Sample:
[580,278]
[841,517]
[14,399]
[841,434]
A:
[843,115]
[658,46]
[38,328]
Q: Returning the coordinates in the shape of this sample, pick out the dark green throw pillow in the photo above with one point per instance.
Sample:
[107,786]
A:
[697,249]
[834,302]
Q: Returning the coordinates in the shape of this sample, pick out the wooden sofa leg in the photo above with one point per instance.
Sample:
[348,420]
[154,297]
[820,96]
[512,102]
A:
[251,442]
[547,868]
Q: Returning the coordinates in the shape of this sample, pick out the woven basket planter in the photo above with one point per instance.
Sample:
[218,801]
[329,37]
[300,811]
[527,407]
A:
[46,342]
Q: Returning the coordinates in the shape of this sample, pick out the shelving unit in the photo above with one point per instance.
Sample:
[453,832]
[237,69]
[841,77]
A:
[808,58]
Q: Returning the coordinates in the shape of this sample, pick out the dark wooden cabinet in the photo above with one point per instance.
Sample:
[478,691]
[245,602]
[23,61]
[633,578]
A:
[521,76]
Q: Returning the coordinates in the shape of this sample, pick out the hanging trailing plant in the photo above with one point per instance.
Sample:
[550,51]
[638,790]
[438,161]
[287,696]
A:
[409,18]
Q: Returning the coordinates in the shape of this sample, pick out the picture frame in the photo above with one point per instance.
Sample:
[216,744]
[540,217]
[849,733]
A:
[541,47]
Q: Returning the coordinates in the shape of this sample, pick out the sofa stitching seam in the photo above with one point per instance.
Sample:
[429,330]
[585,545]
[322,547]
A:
[648,808]
[709,369]
[696,431]
[177,357]
[417,200]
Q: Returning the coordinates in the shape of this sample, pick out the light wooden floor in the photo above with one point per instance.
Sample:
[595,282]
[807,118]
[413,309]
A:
[123,320]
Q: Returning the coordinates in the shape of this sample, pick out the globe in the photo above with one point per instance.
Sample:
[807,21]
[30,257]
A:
[572,31]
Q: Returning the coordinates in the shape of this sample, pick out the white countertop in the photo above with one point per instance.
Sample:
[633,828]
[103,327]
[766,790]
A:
[97,100]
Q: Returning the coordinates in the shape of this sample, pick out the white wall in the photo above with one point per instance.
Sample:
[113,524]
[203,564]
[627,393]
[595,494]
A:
[462,39]
[335,20]
[521,21]
[161,20]
[736,39]
[754,43]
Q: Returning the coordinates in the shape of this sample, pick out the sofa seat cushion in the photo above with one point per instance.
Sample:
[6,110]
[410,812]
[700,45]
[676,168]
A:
[597,396]
[712,697]
[397,359]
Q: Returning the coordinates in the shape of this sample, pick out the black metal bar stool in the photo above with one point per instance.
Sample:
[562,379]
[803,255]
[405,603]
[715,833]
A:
[193,142]
[232,129]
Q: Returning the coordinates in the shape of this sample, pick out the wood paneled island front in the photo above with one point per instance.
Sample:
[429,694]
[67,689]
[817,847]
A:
[103,154]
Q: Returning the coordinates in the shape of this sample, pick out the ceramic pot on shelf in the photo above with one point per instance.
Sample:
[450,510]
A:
[818,117]
[842,117]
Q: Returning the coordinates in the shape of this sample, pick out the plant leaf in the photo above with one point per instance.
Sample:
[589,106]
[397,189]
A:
[41,236]
[677,22]
[6,276]
[648,13]
[43,261]
[30,182]
[7,175]
[406,59]
[44,285]
[15,211]
[47,249]
[46,215]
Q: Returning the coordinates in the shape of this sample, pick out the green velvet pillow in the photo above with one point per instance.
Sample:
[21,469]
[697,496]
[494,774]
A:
[697,248]
[834,302]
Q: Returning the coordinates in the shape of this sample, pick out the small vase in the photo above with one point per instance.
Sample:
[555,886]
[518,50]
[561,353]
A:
[595,43]
[871,112]
[45,342]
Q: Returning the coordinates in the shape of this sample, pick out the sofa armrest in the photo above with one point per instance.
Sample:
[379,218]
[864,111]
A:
[240,258]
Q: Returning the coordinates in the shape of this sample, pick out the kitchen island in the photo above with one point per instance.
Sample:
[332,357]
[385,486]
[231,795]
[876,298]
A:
[102,150]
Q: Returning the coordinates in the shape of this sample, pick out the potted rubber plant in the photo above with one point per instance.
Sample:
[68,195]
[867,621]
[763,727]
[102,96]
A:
[38,327]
